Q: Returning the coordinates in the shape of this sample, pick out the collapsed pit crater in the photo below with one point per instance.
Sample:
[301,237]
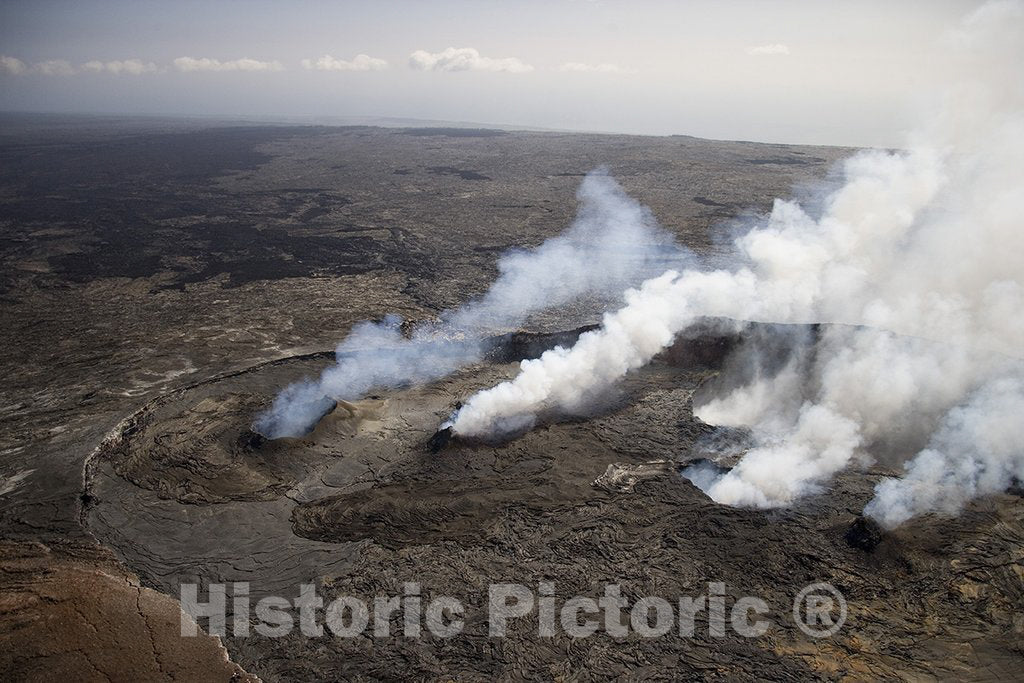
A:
[380,468]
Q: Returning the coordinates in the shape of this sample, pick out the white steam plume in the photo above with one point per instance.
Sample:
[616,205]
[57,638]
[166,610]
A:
[977,450]
[613,243]
[923,249]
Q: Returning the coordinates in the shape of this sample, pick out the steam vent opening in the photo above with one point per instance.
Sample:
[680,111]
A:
[440,439]
[865,534]
[313,410]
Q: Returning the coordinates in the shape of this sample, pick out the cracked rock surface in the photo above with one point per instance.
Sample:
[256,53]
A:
[74,613]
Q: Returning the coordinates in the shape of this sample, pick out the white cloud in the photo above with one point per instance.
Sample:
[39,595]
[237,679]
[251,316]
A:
[54,67]
[133,67]
[464,59]
[769,49]
[206,64]
[62,67]
[12,66]
[581,67]
[361,62]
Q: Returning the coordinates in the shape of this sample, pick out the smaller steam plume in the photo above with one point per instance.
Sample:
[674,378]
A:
[613,243]
[977,450]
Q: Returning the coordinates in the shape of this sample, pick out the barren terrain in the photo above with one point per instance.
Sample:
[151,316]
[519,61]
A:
[162,279]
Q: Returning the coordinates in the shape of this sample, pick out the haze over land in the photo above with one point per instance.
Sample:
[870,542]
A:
[850,73]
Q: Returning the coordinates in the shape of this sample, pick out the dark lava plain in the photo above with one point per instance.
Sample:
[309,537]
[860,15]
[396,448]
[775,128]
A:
[161,279]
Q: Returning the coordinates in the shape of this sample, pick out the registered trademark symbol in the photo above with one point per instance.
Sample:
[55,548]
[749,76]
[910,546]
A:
[819,610]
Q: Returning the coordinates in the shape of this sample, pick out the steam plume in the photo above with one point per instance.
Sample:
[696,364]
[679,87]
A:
[614,242]
[919,253]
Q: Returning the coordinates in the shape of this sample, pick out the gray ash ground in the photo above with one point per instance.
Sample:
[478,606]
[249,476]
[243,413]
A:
[161,280]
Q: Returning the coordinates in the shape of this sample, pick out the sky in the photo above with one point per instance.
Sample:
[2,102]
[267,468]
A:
[797,71]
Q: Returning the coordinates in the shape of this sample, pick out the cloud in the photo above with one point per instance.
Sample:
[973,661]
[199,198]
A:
[54,67]
[12,66]
[464,59]
[133,67]
[581,67]
[62,67]
[769,49]
[361,62]
[188,64]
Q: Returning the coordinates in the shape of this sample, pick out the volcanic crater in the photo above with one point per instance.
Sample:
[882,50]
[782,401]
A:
[185,491]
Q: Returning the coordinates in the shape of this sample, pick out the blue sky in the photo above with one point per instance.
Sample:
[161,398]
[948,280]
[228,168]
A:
[836,72]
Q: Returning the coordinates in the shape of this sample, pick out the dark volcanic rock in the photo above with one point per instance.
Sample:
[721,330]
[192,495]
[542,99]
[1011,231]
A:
[864,534]
[465,174]
[440,439]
